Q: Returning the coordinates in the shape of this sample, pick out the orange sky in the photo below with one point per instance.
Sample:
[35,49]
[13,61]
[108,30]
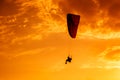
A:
[35,42]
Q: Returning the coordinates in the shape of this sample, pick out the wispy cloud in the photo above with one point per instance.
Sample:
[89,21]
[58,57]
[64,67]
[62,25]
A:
[108,59]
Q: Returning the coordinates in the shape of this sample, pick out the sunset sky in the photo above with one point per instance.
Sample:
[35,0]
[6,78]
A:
[34,40]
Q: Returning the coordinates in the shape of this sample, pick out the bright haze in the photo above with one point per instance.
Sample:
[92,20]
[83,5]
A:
[34,40]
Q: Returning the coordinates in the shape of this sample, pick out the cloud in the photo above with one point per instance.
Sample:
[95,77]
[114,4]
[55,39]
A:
[108,59]
[18,27]
[33,51]
[105,4]
[87,8]
[114,10]
[98,17]
[8,7]
[111,54]
[26,22]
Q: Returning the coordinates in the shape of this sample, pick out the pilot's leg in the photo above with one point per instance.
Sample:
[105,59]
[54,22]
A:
[65,62]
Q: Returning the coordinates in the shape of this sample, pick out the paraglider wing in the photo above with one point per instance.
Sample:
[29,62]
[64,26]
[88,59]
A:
[72,23]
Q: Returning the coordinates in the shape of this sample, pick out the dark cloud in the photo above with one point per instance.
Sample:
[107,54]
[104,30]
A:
[114,11]
[111,7]
[92,11]
[24,23]
[19,26]
[87,8]
[104,4]
[9,7]
[14,26]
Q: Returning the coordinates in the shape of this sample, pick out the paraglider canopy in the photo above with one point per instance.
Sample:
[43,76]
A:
[72,23]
